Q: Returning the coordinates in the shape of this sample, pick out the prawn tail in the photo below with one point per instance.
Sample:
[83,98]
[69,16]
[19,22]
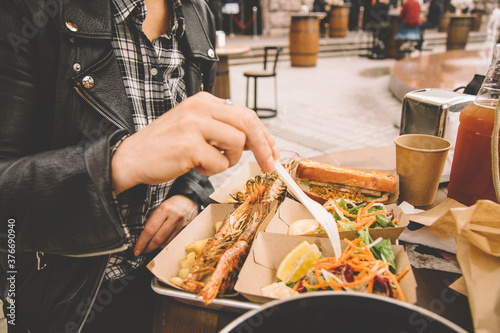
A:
[193,286]
[228,263]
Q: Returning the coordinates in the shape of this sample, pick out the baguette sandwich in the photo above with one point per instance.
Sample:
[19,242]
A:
[323,182]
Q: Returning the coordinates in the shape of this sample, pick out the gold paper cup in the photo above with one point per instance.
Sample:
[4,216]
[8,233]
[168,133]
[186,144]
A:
[420,161]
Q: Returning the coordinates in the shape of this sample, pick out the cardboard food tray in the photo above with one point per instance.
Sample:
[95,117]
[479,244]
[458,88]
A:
[167,263]
[269,249]
[291,211]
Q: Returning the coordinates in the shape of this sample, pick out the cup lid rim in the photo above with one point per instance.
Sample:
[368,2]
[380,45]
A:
[423,149]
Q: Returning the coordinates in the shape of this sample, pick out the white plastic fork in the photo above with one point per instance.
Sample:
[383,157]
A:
[320,214]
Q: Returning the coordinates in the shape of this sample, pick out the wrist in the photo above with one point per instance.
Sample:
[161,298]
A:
[120,172]
[118,176]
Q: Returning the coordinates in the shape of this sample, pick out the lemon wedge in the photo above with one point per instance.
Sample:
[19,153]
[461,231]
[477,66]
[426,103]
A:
[297,262]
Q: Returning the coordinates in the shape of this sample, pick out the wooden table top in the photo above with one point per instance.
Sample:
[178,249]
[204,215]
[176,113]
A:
[461,16]
[230,50]
[344,5]
[310,15]
[448,70]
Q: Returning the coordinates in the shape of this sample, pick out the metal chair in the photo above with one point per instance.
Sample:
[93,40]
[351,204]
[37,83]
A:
[268,71]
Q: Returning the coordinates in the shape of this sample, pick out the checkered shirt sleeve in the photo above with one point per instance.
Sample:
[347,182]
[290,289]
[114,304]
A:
[153,75]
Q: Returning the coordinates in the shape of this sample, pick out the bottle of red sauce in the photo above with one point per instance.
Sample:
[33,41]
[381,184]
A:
[471,171]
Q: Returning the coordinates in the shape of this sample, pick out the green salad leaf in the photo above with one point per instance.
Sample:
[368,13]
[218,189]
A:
[382,248]
[342,204]
[383,220]
[345,226]
[354,210]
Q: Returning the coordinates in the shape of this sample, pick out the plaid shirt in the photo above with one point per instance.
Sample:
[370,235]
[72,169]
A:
[154,81]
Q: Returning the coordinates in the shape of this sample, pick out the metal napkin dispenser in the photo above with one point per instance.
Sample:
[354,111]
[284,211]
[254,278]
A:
[434,112]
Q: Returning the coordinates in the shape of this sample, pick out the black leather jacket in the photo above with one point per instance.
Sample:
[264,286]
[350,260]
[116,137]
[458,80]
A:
[55,138]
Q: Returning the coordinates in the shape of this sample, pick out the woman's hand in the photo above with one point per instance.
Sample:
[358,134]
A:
[202,133]
[166,221]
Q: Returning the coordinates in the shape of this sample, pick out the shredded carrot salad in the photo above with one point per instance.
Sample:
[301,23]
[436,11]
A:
[350,216]
[357,269]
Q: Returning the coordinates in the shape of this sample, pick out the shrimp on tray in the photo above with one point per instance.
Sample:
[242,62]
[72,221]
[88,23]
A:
[224,275]
[224,254]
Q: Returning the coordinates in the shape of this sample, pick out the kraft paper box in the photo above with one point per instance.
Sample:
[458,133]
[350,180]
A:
[428,217]
[269,249]
[477,233]
[291,211]
[167,263]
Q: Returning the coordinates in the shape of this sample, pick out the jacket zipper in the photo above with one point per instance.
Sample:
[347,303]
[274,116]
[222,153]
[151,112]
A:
[39,262]
[102,113]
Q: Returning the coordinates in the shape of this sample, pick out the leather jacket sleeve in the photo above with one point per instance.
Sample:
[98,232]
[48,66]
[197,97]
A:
[195,186]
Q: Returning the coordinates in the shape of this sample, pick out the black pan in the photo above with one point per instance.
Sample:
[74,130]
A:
[331,311]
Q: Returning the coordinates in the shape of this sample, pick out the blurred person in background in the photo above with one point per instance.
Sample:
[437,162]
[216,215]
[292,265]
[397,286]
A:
[380,26]
[322,6]
[410,14]
[354,12]
[367,4]
[434,15]
[408,30]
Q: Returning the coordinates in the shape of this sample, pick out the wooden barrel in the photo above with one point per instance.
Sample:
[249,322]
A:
[458,32]
[478,20]
[304,41]
[339,20]
[444,23]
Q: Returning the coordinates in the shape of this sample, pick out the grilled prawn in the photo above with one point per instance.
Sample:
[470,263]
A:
[224,254]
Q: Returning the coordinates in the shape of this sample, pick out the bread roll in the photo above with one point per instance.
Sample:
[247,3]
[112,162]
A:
[372,180]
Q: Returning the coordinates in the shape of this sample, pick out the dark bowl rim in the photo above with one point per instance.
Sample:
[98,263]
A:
[300,297]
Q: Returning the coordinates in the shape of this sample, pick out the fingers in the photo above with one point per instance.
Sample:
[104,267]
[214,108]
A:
[155,233]
[228,140]
[202,133]
[257,138]
[165,222]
